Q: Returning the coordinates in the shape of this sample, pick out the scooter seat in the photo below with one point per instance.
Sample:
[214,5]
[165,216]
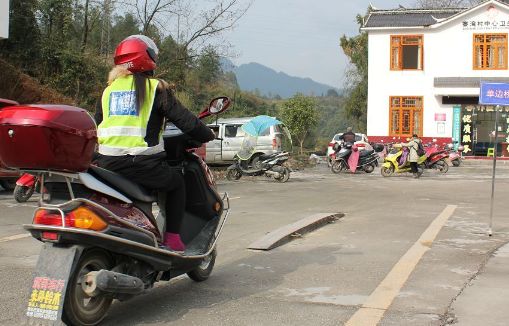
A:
[367,152]
[130,189]
[264,157]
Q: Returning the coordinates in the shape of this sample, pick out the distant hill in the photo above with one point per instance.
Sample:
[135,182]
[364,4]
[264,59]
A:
[254,76]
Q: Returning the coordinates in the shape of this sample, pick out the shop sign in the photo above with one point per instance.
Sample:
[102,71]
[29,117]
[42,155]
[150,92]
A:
[484,25]
[494,94]
[440,117]
[466,139]
[456,125]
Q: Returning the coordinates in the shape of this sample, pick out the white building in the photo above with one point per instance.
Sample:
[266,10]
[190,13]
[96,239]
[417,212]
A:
[425,67]
[4,19]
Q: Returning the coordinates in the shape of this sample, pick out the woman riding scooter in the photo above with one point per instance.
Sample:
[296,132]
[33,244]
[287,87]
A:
[130,120]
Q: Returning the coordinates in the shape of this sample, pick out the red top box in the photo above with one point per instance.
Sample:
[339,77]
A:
[47,137]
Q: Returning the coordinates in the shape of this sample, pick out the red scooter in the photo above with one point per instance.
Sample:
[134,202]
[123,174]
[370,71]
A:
[436,158]
[101,240]
[25,187]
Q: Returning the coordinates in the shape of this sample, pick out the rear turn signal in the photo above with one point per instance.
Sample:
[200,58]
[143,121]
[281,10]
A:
[81,218]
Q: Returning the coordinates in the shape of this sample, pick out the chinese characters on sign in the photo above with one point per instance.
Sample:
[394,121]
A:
[45,298]
[469,25]
[466,139]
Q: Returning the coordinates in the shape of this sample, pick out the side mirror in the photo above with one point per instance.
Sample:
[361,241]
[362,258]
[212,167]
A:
[216,106]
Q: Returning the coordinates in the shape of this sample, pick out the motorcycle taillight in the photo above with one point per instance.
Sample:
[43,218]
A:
[81,218]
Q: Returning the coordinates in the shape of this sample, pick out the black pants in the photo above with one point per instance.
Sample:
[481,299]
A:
[153,173]
[413,166]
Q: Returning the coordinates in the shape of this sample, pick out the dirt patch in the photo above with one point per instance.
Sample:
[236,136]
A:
[17,86]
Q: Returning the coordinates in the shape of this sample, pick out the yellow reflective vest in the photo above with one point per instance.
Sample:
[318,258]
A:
[123,129]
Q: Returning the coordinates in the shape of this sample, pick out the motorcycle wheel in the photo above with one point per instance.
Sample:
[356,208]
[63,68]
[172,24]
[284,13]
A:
[285,176]
[441,166]
[233,174]
[369,168]
[203,271]
[337,166]
[23,193]
[456,163]
[79,309]
[387,171]
[256,163]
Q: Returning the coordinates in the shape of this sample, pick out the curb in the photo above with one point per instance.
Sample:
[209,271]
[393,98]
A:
[286,233]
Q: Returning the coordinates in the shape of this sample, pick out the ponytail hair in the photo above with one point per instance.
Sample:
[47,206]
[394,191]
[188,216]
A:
[140,89]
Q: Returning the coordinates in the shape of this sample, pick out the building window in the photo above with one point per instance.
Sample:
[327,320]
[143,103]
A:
[406,52]
[405,115]
[490,51]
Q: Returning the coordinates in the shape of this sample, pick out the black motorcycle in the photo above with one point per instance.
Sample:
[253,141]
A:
[270,165]
[368,159]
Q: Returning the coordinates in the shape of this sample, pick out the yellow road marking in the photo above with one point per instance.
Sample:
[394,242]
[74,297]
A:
[15,237]
[382,297]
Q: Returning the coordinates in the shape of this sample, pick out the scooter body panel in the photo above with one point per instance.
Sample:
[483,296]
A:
[26,180]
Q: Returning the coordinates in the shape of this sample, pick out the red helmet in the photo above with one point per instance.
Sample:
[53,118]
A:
[137,53]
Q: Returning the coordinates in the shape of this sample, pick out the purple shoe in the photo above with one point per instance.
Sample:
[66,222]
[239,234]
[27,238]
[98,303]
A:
[173,241]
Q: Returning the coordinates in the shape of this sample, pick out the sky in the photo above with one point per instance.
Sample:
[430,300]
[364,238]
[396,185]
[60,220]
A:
[301,37]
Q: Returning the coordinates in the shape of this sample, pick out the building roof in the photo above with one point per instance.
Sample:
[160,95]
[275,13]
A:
[408,17]
[467,82]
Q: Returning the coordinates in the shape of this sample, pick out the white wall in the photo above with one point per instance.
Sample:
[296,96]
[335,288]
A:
[448,52]
[4,19]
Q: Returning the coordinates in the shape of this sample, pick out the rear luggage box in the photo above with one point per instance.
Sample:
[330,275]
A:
[47,137]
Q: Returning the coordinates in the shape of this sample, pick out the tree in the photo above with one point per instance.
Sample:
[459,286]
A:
[356,81]
[300,116]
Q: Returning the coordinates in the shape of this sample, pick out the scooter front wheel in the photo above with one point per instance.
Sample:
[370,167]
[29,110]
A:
[203,271]
[337,166]
[23,193]
[387,171]
[369,168]
[79,308]
[233,174]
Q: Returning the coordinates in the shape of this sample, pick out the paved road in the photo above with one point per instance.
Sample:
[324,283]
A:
[325,277]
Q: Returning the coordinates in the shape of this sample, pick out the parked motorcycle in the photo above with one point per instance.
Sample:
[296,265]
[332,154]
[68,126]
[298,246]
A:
[25,187]
[436,158]
[346,156]
[455,156]
[101,239]
[270,165]
[395,162]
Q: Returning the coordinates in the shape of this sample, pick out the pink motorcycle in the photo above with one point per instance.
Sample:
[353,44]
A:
[455,155]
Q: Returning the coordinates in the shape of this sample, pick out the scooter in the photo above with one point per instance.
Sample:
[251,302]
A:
[436,158]
[100,238]
[25,187]
[455,156]
[394,163]
[270,165]
[367,160]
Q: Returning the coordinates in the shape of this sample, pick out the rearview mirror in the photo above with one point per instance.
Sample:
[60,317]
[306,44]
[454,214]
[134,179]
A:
[219,104]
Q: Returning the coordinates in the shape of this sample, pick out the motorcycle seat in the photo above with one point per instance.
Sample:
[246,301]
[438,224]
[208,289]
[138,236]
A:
[367,152]
[264,157]
[130,189]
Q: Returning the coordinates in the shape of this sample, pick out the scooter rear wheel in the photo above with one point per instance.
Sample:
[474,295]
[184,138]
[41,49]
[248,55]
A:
[441,166]
[369,168]
[203,271]
[285,175]
[456,162]
[80,309]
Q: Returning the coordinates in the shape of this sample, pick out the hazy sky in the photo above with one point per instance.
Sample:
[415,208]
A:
[301,37]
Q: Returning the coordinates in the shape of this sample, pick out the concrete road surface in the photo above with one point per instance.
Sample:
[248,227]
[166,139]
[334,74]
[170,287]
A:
[404,251]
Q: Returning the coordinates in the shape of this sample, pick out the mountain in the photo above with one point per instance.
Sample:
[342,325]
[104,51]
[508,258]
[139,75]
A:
[256,77]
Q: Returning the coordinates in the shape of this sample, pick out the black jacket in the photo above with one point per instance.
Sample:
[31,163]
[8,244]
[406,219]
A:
[167,106]
[348,137]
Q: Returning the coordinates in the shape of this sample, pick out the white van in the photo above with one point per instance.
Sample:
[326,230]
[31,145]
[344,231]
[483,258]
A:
[232,135]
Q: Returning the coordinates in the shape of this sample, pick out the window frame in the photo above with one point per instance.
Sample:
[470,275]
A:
[401,109]
[474,52]
[400,52]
